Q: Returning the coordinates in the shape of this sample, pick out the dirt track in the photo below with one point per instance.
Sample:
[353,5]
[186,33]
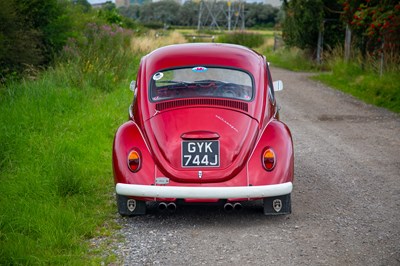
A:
[346,199]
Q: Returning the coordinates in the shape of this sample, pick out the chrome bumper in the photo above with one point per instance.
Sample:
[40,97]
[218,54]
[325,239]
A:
[179,192]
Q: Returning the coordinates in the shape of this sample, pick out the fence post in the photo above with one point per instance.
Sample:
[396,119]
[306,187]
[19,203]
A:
[347,44]
[319,47]
[382,57]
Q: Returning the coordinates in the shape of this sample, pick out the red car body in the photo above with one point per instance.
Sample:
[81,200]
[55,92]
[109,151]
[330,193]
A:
[213,140]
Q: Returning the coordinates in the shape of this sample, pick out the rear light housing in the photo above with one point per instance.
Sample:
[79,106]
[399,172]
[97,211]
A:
[134,160]
[268,159]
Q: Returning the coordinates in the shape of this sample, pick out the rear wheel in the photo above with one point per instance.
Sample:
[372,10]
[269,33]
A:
[278,205]
[130,207]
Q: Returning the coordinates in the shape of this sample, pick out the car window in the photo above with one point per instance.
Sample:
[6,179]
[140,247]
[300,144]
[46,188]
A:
[271,91]
[200,81]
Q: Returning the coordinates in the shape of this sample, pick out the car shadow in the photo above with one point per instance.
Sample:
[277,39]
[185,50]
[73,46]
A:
[205,215]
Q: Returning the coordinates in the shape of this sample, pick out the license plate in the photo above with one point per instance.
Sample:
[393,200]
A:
[200,153]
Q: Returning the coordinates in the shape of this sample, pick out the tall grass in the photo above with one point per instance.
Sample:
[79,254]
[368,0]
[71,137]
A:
[55,152]
[366,84]
[154,39]
[290,58]
[359,77]
[99,58]
[249,39]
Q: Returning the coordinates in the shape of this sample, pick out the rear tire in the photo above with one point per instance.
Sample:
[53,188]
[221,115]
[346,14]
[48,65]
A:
[130,207]
[278,205]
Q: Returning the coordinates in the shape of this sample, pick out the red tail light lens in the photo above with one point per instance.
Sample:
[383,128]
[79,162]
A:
[134,161]
[269,159]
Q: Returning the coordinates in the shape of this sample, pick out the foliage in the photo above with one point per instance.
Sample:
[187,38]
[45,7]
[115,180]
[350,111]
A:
[304,19]
[55,137]
[189,14]
[290,58]
[56,133]
[162,12]
[18,44]
[172,13]
[375,23]
[33,32]
[260,15]
[99,59]
[248,39]
[30,32]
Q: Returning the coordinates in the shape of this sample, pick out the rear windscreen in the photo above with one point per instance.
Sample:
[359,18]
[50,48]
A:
[200,81]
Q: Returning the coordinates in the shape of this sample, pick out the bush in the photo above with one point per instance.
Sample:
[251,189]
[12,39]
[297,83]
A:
[100,58]
[55,161]
[251,40]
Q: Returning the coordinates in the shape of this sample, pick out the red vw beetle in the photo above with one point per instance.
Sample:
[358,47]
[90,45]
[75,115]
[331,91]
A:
[203,128]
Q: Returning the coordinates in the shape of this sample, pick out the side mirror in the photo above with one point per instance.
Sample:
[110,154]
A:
[132,85]
[278,85]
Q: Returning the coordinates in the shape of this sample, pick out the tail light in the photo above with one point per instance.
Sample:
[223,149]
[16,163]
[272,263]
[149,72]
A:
[269,159]
[134,161]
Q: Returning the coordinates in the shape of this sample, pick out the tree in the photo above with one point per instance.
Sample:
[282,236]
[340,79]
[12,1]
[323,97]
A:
[375,23]
[305,19]
[189,13]
[260,15]
[31,31]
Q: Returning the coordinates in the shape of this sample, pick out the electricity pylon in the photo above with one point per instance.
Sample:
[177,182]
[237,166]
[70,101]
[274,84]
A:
[214,13]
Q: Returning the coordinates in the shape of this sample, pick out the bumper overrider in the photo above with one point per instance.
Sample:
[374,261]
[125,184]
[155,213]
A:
[182,192]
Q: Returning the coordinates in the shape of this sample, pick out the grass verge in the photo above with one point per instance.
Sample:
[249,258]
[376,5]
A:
[55,169]
[289,58]
[366,85]
[56,136]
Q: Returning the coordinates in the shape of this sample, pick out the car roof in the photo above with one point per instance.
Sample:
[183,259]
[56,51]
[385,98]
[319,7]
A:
[210,54]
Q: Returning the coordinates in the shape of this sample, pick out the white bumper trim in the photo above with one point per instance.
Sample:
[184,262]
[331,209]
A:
[204,192]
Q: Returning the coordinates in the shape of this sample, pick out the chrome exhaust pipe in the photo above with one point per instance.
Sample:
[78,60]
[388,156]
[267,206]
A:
[162,206]
[228,207]
[237,206]
[171,207]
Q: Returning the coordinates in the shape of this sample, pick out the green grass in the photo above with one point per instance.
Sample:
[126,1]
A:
[248,39]
[56,134]
[289,58]
[55,169]
[366,85]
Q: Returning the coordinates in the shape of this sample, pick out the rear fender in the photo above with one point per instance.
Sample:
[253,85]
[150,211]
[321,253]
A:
[277,136]
[128,136]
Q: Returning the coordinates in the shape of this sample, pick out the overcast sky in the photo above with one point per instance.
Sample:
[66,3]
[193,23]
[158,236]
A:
[272,2]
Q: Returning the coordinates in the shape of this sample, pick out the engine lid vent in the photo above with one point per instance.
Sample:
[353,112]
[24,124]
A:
[215,102]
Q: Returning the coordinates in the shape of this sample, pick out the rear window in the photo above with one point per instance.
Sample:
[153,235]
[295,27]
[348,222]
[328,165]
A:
[200,81]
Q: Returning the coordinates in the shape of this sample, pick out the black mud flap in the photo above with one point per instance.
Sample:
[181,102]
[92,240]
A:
[278,205]
[130,207]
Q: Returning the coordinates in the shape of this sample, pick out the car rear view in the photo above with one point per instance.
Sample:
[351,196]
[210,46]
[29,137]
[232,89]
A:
[203,128]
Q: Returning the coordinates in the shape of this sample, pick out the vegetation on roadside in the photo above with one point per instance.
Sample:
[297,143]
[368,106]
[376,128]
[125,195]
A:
[33,33]
[368,67]
[55,161]
[290,58]
[363,82]
[251,40]
[367,85]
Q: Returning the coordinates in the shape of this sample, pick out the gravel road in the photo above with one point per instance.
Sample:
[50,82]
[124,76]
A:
[346,198]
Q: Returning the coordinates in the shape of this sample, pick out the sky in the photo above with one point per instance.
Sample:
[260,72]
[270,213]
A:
[272,2]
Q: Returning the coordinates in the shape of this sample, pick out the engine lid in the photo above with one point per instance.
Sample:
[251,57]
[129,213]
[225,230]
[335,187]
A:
[215,141]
